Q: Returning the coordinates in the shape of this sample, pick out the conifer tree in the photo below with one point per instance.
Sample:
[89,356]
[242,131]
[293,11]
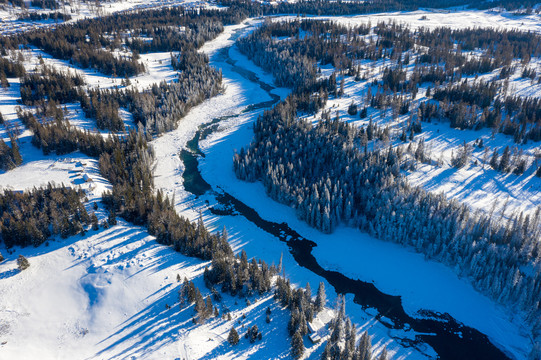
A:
[364,350]
[297,345]
[383,355]
[494,160]
[321,297]
[233,337]
[15,154]
[505,160]
[22,263]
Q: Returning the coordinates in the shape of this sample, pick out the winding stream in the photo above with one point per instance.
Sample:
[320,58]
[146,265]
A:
[449,338]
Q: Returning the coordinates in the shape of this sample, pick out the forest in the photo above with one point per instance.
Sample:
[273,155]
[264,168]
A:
[89,43]
[329,175]
[411,58]
[327,171]
[33,217]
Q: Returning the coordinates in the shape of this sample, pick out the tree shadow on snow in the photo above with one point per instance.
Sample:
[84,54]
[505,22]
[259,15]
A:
[148,330]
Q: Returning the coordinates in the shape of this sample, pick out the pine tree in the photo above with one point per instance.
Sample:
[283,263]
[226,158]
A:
[364,350]
[254,334]
[352,109]
[383,355]
[364,113]
[208,306]
[111,220]
[321,297]
[3,80]
[233,337]
[15,154]
[505,160]
[494,162]
[297,345]
[22,262]
[462,156]
[94,221]
[420,151]
[342,83]
[199,303]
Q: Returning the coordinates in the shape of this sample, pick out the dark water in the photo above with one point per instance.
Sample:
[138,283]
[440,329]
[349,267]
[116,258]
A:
[450,339]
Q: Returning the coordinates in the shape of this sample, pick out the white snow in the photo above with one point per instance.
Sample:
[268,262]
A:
[104,295]
[392,268]
[452,18]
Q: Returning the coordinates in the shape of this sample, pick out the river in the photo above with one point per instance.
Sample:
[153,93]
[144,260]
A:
[448,337]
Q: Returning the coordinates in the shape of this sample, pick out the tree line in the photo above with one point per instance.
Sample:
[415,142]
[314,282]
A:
[32,217]
[88,43]
[326,172]
[10,69]
[293,51]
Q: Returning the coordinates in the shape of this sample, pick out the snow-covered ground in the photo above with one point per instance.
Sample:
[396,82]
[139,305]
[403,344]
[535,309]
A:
[107,296]
[158,68]
[381,262]
[87,9]
[104,295]
[476,184]
[454,19]
[393,269]
[244,235]
[157,65]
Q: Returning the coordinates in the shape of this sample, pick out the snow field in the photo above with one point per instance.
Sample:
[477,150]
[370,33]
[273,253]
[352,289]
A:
[109,298]
[83,10]
[109,290]
[451,18]
[392,268]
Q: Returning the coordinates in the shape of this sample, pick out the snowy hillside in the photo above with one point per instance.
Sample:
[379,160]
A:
[116,291]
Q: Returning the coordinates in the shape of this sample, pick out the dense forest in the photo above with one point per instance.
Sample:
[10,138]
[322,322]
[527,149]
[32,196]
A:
[160,109]
[127,164]
[32,217]
[325,7]
[328,174]
[157,109]
[325,171]
[10,157]
[9,69]
[88,43]
[320,7]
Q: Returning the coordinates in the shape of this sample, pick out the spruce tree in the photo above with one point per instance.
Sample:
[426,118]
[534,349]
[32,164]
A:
[22,262]
[364,350]
[233,337]
[321,297]
[505,160]
[352,109]
[15,154]
[494,162]
[297,345]
[383,355]
[94,221]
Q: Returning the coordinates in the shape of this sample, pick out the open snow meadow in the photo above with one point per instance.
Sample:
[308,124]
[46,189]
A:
[110,283]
